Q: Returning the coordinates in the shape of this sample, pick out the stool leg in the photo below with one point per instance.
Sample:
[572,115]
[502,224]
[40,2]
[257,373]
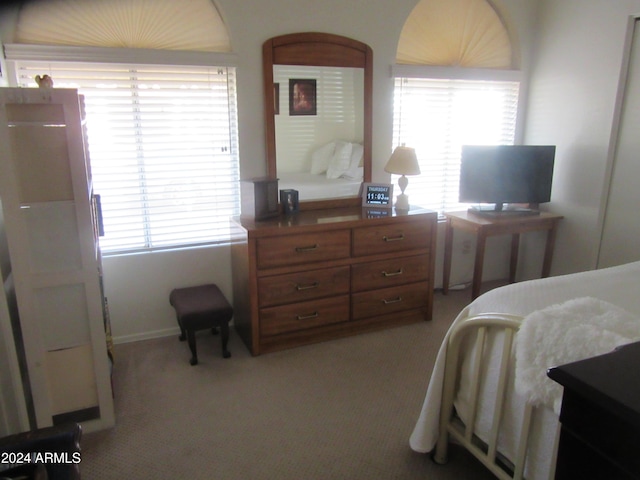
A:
[191,337]
[183,333]
[224,329]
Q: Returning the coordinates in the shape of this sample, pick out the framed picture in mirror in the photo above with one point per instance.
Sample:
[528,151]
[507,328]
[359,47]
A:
[302,96]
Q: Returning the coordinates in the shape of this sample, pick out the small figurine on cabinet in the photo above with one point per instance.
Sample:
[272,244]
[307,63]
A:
[44,81]
[289,201]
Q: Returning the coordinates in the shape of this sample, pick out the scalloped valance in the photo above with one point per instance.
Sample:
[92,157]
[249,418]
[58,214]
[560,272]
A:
[193,25]
[461,33]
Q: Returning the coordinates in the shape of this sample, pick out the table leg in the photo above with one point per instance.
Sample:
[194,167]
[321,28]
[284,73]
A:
[548,251]
[513,262]
[477,269]
[448,249]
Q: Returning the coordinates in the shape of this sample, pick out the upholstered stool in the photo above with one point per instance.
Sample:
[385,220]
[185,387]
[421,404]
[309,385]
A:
[198,308]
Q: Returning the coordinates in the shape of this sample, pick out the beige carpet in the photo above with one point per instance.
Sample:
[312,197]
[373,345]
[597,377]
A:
[342,409]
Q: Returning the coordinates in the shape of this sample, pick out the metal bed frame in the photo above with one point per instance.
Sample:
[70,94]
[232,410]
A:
[451,426]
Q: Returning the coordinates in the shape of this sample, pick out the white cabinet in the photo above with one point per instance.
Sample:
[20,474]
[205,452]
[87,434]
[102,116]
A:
[49,223]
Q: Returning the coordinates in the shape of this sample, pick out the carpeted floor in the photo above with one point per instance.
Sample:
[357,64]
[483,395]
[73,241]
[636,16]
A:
[342,409]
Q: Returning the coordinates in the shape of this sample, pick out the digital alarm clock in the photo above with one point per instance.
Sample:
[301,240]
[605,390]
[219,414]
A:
[377,195]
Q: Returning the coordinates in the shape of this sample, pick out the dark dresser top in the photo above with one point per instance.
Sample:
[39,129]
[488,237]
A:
[611,381]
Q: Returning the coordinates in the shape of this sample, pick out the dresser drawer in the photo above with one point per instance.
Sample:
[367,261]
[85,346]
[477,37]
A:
[389,273]
[301,286]
[391,238]
[303,248]
[304,315]
[389,300]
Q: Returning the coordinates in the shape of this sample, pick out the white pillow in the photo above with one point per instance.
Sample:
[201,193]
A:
[357,152]
[356,173]
[340,161]
[321,158]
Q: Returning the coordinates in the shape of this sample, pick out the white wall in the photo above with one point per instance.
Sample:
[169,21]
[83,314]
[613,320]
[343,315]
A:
[621,200]
[573,89]
[138,287]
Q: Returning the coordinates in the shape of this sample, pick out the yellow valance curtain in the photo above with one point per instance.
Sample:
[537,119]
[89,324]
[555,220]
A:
[193,25]
[464,33]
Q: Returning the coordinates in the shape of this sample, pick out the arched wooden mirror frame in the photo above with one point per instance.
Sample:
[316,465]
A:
[326,50]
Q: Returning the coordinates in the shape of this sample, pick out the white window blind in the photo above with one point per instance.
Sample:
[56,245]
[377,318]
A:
[436,117]
[163,146]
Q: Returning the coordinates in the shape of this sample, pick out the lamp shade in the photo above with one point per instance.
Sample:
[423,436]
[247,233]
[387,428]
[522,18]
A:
[403,161]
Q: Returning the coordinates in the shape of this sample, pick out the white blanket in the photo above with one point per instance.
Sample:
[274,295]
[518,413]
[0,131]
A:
[617,285]
[563,333]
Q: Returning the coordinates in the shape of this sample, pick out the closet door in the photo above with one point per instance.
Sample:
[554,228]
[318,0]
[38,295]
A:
[621,228]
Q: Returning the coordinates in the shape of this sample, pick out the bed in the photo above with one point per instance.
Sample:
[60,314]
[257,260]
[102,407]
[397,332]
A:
[482,361]
[312,186]
[335,171]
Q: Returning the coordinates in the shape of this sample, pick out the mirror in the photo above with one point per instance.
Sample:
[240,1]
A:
[318,94]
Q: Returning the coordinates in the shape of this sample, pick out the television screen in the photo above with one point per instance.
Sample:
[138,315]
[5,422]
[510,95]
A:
[500,174]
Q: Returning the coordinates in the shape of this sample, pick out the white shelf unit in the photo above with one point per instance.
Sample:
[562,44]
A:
[47,200]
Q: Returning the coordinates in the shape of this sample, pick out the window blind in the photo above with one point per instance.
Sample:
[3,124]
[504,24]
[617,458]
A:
[164,149]
[436,116]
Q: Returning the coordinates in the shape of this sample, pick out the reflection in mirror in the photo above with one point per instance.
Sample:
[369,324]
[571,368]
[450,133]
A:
[331,135]
[319,149]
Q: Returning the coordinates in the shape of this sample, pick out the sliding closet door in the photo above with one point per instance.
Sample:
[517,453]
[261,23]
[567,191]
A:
[621,229]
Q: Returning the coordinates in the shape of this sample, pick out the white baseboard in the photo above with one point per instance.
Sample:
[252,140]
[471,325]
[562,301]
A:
[165,332]
[136,337]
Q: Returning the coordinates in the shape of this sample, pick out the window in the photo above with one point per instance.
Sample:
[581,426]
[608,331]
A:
[457,82]
[436,116]
[163,147]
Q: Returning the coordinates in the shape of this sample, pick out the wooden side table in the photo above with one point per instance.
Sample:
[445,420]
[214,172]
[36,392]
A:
[484,227]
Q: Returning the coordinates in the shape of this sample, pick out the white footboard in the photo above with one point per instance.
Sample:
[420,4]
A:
[476,330]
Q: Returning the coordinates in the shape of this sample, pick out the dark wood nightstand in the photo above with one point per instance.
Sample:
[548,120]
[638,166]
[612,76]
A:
[600,416]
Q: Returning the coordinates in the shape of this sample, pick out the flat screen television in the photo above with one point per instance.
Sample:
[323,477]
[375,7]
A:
[494,175]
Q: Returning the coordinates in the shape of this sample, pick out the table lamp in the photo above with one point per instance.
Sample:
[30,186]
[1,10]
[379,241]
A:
[403,162]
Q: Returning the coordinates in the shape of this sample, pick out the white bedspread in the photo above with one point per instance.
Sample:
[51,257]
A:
[617,285]
[314,187]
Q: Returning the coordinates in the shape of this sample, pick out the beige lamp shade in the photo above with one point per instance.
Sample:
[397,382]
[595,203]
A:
[403,161]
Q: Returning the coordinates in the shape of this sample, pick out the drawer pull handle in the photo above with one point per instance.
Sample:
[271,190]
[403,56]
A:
[307,249]
[392,274]
[393,239]
[307,317]
[393,300]
[307,287]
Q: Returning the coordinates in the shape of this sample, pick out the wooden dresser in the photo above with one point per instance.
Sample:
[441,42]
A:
[323,274]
